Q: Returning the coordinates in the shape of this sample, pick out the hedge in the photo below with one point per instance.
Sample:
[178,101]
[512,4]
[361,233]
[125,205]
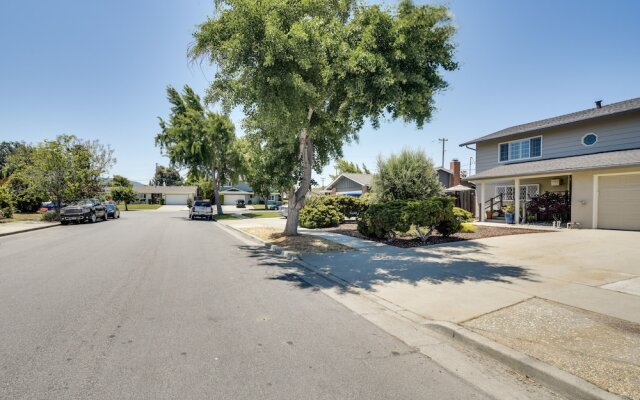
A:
[319,216]
[384,220]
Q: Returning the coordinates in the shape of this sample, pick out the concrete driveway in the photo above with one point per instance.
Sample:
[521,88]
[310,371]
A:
[595,270]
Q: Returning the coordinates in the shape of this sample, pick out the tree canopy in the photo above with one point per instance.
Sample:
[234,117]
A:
[166,176]
[314,72]
[343,166]
[200,140]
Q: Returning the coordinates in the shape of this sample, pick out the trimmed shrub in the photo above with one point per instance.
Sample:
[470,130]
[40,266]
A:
[189,202]
[6,202]
[388,219]
[467,228]
[384,220]
[462,215]
[315,216]
[50,216]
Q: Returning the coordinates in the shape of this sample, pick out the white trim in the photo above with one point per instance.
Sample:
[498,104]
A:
[536,185]
[596,193]
[508,178]
[587,134]
[520,140]
[343,175]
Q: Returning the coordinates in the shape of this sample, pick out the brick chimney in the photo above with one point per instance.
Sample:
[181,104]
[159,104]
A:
[454,166]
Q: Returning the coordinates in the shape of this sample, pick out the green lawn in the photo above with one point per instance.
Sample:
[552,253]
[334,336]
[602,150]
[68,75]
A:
[136,207]
[262,214]
[251,215]
[17,217]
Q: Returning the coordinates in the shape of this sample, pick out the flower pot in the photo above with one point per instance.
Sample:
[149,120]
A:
[509,218]
[489,214]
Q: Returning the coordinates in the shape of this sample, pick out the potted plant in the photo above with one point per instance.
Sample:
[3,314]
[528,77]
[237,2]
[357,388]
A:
[509,214]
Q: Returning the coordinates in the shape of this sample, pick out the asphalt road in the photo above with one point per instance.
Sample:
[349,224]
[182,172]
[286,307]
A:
[154,306]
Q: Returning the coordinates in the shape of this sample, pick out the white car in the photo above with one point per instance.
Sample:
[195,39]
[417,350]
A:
[284,210]
[201,209]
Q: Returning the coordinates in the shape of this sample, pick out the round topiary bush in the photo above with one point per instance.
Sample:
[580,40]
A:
[315,216]
[50,216]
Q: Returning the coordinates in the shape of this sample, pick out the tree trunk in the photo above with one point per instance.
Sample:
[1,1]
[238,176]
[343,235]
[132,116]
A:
[298,196]
[216,191]
[126,207]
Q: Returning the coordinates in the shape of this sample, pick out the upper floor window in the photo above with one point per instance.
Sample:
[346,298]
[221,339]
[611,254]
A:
[521,149]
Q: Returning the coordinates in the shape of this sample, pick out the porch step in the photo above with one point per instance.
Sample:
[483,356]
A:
[496,219]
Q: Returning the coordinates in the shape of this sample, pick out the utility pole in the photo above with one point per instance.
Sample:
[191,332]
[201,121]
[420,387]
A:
[443,140]
[322,180]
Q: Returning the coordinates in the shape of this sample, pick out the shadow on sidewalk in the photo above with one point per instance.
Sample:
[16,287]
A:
[454,263]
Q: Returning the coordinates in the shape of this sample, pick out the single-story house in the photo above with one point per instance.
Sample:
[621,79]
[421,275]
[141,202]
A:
[243,191]
[591,158]
[350,184]
[172,195]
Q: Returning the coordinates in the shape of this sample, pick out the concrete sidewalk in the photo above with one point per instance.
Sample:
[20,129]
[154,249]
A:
[570,299]
[10,228]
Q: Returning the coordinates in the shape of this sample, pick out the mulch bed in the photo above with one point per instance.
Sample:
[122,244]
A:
[349,228]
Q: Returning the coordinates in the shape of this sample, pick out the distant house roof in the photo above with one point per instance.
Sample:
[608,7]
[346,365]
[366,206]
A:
[562,165]
[585,115]
[240,188]
[145,189]
[362,179]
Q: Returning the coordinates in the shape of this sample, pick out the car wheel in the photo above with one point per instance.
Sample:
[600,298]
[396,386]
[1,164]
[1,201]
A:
[93,218]
[192,217]
[63,222]
[105,217]
[118,214]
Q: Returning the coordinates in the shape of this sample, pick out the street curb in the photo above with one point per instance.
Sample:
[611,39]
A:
[290,255]
[28,230]
[552,377]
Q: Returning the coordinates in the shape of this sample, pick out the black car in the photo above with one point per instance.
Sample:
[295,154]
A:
[240,204]
[88,210]
[113,211]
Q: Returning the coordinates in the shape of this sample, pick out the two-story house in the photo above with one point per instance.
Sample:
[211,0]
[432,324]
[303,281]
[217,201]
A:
[593,156]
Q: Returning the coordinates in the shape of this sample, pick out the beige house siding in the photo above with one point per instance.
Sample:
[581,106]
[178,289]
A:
[347,185]
[614,133]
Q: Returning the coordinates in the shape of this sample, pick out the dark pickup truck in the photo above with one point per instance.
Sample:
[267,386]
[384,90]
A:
[88,210]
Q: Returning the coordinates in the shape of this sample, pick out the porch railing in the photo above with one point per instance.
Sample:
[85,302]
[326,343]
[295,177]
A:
[490,205]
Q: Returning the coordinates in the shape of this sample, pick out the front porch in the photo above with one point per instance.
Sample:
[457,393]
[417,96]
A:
[543,200]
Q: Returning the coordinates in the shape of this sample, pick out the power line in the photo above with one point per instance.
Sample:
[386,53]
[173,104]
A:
[443,140]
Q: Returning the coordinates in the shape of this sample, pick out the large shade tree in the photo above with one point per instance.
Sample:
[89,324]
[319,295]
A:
[316,71]
[166,176]
[69,169]
[198,139]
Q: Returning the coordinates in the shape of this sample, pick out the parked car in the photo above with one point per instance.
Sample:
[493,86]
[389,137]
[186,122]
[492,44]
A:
[284,210]
[112,210]
[240,204]
[272,205]
[49,206]
[201,209]
[88,210]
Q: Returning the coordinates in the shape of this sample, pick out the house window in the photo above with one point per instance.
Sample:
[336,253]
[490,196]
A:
[589,139]
[521,149]
[527,192]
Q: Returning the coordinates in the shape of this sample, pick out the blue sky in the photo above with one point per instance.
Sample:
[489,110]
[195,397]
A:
[98,69]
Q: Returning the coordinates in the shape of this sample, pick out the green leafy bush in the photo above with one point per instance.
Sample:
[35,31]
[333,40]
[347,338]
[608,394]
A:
[462,215]
[409,175]
[6,202]
[398,216]
[190,202]
[384,220]
[346,205]
[25,195]
[50,216]
[467,228]
[314,216]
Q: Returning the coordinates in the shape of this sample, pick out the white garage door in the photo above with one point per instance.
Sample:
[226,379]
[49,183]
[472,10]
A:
[230,199]
[619,202]
[176,199]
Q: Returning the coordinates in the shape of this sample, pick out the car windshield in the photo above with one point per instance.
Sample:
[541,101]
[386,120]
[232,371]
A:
[111,206]
[200,203]
[83,203]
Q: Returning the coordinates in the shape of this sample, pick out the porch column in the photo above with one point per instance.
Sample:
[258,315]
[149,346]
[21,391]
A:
[482,200]
[517,200]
